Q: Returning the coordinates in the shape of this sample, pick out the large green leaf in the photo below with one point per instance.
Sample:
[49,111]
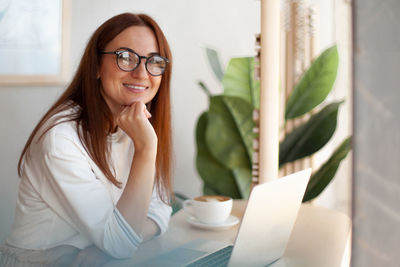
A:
[320,180]
[309,137]
[243,181]
[239,80]
[214,62]
[242,113]
[209,191]
[215,176]
[315,84]
[229,131]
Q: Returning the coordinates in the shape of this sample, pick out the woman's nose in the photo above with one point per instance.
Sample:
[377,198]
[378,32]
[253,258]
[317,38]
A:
[140,71]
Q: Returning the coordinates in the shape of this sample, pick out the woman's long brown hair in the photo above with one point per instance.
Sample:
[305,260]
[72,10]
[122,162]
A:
[95,118]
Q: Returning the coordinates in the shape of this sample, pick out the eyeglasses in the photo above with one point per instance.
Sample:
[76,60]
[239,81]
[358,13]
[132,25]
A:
[128,60]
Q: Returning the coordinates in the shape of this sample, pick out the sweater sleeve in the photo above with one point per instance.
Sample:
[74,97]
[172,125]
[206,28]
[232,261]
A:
[73,191]
[160,213]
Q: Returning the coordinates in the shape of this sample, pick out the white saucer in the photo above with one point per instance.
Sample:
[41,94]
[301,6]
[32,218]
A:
[231,221]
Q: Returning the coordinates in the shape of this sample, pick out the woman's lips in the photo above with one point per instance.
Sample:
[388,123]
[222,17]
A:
[135,87]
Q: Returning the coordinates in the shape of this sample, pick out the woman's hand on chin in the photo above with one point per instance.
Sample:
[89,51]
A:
[134,121]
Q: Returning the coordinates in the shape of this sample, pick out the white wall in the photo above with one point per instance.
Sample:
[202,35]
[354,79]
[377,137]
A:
[227,25]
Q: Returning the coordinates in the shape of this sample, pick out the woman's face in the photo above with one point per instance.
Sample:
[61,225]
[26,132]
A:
[120,88]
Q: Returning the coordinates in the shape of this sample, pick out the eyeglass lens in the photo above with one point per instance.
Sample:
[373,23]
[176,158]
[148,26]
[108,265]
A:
[129,61]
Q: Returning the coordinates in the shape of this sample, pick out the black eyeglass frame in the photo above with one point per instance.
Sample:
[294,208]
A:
[124,49]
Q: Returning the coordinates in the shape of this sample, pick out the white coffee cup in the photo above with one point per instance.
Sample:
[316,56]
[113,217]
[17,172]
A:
[209,209]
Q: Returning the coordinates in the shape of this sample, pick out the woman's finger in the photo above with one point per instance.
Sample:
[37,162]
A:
[141,107]
[147,113]
[124,111]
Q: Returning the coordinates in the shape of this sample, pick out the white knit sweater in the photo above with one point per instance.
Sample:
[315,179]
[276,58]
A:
[64,198]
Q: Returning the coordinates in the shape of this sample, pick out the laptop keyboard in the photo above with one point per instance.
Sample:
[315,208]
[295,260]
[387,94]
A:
[220,258]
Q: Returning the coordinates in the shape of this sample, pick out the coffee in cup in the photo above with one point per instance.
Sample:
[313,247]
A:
[209,209]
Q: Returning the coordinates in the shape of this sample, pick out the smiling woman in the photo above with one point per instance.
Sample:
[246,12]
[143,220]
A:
[134,82]
[95,172]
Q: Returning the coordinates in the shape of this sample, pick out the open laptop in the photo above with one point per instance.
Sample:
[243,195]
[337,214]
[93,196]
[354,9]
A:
[263,234]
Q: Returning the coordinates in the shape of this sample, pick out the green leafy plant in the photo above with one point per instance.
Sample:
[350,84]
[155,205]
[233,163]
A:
[224,132]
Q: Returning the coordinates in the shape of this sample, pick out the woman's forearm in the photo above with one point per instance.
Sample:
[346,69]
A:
[135,200]
[149,229]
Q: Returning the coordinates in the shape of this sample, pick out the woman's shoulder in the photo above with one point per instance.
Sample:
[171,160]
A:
[59,127]
[63,122]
